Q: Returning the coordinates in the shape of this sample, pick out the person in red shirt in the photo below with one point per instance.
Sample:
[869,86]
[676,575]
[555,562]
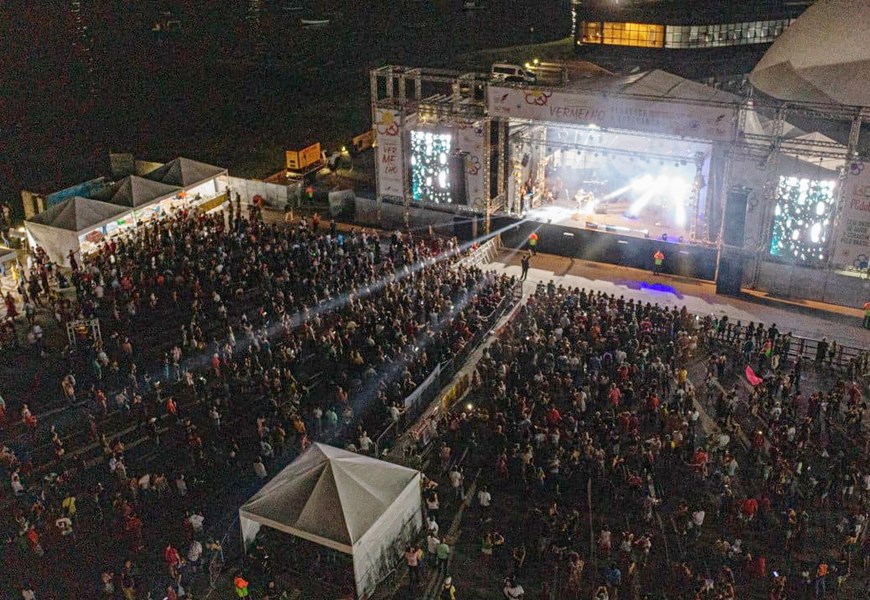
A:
[652,406]
[749,508]
[170,555]
[553,416]
[614,395]
[699,462]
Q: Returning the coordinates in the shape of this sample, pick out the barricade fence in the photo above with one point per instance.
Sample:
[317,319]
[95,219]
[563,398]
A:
[484,254]
[835,356]
[416,402]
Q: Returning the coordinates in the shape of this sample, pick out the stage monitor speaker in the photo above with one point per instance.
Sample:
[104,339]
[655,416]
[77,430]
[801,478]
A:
[730,277]
[735,216]
[458,191]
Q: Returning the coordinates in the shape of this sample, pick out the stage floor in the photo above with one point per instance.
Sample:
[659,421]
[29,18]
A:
[647,224]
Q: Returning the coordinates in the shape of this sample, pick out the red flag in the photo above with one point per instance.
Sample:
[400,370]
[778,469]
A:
[752,377]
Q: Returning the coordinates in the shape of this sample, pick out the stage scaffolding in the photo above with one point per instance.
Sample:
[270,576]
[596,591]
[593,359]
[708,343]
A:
[444,97]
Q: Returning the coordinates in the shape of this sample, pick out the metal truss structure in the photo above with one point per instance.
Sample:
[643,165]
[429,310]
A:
[438,96]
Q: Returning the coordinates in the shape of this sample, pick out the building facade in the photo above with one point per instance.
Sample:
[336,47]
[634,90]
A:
[716,41]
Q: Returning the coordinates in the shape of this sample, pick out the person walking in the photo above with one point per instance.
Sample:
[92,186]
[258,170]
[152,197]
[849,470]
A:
[525,264]
[658,260]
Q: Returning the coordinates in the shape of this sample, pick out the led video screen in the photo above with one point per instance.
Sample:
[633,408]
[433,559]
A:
[430,167]
[802,219]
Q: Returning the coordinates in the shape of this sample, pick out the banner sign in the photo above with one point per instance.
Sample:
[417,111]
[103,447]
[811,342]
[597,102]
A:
[415,396]
[469,138]
[668,117]
[852,235]
[390,153]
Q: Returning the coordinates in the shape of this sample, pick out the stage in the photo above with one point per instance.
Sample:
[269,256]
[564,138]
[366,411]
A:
[571,238]
[616,219]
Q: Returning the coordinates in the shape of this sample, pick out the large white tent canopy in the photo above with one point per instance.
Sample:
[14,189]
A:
[135,192]
[185,173]
[354,504]
[60,228]
[824,56]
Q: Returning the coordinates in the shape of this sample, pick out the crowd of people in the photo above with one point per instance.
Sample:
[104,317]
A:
[227,344]
[592,465]
[602,472]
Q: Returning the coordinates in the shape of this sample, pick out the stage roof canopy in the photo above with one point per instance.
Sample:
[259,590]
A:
[824,56]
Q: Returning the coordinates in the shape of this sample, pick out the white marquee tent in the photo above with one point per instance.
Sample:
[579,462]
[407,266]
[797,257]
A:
[354,504]
[824,56]
[62,227]
[135,192]
[185,173]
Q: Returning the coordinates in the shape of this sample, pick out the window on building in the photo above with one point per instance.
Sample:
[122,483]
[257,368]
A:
[590,33]
[644,35]
[724,34]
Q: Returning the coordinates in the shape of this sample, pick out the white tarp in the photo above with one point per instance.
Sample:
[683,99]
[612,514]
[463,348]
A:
[824,56]
[351,503]
[613,111]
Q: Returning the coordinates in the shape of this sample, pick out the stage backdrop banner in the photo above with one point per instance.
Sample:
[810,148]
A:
[667,117]
[852,236]
[390,153]
[469,138]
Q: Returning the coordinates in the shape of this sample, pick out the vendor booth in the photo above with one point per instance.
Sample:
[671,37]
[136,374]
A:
[141,196]
[201,184]
[358,507]
[76,224]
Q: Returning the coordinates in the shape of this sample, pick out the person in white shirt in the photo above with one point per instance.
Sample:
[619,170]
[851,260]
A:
[365,442]
[456,482]
[432,526]
[194,554]
[432,542]
[260,468]
[484,498]
[196,521]
[512,590]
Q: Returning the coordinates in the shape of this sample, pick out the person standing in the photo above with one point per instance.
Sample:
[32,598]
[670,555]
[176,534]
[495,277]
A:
[525,264]
[448,590]
[658,261]
[241,586]
[533,243]
[412,559]
[442,552]
[128,581]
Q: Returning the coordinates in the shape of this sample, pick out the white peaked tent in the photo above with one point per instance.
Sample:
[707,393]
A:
[824,56]
[135,192]
[185,173]
[60,228]
[354,504]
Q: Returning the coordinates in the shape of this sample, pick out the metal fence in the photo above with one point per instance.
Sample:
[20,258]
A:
[840,359]
[416,403]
